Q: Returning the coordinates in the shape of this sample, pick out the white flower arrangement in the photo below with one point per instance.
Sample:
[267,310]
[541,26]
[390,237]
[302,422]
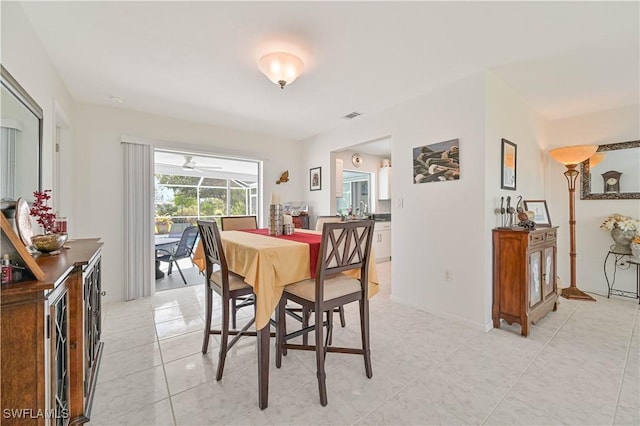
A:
[625,223]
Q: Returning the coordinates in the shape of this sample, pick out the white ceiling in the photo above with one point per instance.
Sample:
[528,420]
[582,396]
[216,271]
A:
[197,60]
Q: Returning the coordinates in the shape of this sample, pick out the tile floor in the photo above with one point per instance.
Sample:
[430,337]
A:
[580,365]
[191,274]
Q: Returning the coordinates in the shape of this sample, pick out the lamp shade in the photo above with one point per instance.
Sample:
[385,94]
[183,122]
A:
[281,68]
[596,159]
[571,155]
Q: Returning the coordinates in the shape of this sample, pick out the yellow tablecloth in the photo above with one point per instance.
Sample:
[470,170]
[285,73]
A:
[268,264]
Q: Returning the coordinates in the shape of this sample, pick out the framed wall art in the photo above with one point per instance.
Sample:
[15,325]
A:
[315,179]
[437,162]
[509,165]
[540,212]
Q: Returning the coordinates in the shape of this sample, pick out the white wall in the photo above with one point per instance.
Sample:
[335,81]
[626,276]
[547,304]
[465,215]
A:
[99,169]
[509,117]
[438,227]
[447,225]
[25,58]
[619,125]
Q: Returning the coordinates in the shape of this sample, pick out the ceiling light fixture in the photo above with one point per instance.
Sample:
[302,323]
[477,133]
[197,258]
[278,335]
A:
[281,68]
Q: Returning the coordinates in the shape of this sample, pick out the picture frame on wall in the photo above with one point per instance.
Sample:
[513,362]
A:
[315,179]
[540,212]
[509,165]
[438,162]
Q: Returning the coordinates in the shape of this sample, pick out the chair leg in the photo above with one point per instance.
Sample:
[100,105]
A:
[330,327]
[322,384]
[281,330]
[179,270]
[306,313]
[170,268]
[224,338]
[233,313]
[207,322]
[364,331]
[343,322]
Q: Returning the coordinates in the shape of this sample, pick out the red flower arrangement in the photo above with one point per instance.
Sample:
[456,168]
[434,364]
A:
[42,212]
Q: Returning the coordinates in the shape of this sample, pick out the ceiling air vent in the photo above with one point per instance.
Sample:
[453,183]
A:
[352,115]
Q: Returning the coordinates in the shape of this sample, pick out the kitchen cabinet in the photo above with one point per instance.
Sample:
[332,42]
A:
[384,183]
[339,178]
[382,241]
[50,339]
[524,275]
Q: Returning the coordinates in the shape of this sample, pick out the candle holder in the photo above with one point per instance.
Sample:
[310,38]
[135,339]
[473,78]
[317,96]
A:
[275,219]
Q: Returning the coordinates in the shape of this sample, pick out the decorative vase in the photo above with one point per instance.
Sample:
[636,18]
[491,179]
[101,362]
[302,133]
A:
[622,240]
[48,242]
[635,250]
[163,228]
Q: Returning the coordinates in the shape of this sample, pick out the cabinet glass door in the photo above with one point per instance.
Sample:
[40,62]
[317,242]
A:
[60,360]
[549,272]
[535,279]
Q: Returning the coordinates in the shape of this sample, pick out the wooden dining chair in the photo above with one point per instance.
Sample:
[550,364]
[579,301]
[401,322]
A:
[228,286]
[233,223]
[321,220]
[344,247]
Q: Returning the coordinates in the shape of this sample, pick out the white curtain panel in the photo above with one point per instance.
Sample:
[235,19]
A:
[138,252]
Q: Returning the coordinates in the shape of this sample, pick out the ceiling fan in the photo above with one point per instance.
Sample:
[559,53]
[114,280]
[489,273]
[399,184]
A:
[189,165]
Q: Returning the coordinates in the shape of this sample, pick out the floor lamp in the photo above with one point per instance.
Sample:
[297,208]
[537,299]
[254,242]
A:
[571,156]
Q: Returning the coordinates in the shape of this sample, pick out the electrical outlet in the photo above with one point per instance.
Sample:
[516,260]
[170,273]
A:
[447,275]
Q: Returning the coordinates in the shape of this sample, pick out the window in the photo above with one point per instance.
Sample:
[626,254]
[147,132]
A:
[356,194]
[190,187]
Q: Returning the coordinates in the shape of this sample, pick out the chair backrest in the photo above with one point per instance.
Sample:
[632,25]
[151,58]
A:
[344,246]
[232,223]
[326,219]
[186,243]
[212,245]
[177,229]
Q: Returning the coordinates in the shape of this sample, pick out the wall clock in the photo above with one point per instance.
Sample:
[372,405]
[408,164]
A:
[611,182]
[356,160]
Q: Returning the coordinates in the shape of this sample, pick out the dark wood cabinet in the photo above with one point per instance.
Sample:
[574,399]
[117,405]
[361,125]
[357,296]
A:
[301,222]
[50,342]
[524,275]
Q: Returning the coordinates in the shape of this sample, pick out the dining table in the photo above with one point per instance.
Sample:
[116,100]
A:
[268,264]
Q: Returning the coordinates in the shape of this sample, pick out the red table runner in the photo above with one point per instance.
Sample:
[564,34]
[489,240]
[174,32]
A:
[302,237]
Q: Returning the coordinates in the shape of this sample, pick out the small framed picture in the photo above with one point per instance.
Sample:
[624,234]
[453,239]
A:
[540,212]
[509,164]
[315,179]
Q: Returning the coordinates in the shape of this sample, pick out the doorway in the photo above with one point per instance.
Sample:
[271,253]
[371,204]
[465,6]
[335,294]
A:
[190,186]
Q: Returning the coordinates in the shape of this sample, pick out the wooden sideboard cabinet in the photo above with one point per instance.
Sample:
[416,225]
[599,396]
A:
[50,342]
[301,221]
[524,275]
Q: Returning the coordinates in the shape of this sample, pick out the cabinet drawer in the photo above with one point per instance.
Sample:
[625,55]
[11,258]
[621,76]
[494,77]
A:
[550,235]
[382,226]
[536,238]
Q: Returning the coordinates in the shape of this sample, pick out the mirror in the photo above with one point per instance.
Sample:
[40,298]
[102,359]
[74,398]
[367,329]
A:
[616,176]
[21,142]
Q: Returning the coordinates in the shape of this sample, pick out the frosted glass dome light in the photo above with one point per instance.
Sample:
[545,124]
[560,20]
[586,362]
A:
[280,67]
